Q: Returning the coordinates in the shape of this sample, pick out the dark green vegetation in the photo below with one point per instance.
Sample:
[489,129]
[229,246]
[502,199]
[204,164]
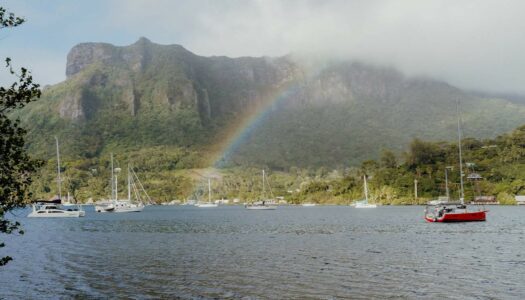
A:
[500,161]
[16,167]
[333,115]
[169,111]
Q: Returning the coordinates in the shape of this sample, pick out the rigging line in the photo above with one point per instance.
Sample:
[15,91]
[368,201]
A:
[141,186]
[269,187]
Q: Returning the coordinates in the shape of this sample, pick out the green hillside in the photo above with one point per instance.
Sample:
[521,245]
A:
[145,96]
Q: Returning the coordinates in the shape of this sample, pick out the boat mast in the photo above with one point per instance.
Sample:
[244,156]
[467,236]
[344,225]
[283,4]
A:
[59,180]
[461,193]
[112,179]
[446,184]
[366,189]
[264,190]
[116,187]
[129,185]
[209,190]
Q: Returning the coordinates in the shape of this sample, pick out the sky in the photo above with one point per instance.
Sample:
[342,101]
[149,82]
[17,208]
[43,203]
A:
[476,44]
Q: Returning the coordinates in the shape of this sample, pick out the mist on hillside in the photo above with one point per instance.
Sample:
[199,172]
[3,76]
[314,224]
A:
[475,45]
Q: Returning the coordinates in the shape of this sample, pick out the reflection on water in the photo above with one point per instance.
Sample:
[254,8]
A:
[292,252]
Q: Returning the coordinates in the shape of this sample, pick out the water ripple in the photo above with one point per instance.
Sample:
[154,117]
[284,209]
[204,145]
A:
[292,253]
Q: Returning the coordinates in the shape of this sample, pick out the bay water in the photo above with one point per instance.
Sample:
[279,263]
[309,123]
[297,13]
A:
[294,252]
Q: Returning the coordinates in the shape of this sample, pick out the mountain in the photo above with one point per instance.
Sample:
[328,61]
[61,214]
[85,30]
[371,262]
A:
[336,113]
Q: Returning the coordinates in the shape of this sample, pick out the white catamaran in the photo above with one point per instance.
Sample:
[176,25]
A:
[53,209]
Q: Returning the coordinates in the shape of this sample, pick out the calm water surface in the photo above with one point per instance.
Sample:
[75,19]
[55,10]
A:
[292,252]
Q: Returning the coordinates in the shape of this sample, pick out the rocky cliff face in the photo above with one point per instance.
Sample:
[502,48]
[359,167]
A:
[147,94]
[151,76]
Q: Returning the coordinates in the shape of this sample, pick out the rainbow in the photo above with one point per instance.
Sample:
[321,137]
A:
[240,130]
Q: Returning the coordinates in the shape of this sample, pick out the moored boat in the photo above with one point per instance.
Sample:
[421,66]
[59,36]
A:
[45,210]
[208,204]
[104,206]
[364,203]
[260,205]
[55,208]
[266,204]
[131,204]
[455,212]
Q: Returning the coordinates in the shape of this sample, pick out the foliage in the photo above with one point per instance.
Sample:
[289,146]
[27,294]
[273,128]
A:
[16,166]
[506,199]
[147,95]
[167,111]
[175,173]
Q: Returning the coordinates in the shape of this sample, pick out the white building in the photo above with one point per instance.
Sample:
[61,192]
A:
[520,200]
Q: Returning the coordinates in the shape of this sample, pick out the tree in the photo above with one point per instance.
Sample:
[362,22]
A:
[388,159]
[16,166]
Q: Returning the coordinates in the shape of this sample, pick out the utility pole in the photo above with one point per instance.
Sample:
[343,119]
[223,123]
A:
[415,189]
[59,180]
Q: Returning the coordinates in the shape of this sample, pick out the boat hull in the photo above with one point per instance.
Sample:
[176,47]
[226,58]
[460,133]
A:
[206,205]
[119,206]
[365,205]
[128,208]
[261,207]
[63,214]
[474,216]
[104,208]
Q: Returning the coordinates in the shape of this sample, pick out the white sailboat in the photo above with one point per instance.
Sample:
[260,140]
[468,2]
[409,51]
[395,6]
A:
[108,205]
[55,210]
[364,203]
[135,188]
[208,204]
[265,204]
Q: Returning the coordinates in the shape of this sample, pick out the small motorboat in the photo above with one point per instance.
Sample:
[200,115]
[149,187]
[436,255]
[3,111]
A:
[308,204]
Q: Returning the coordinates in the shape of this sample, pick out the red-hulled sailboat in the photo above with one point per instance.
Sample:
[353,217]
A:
[458,211]
[454,212]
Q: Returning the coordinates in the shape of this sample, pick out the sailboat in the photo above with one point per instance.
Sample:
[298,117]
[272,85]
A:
[135,188]
[264,204]
[53,209]
[364,203]
[208,204]
[455,211]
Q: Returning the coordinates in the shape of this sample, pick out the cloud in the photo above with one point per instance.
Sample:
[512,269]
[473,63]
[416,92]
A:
[475,44]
